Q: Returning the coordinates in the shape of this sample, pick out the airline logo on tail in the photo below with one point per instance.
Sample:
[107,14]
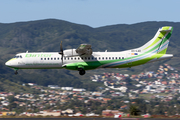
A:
[160,41]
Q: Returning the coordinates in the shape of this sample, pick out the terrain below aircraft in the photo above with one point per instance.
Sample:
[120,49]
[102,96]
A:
[83,58]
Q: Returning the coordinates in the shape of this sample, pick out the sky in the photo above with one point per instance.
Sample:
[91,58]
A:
[94,13]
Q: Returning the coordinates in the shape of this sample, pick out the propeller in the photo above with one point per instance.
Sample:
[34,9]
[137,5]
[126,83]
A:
[61,52]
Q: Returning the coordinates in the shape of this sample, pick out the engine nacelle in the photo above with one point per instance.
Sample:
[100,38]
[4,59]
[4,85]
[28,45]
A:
[70,52]
[84,49]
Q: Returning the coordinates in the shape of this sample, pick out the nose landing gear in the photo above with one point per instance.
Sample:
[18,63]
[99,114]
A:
[16,71]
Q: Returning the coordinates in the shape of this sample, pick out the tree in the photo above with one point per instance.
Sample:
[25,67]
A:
[11,106]
[134,110]
[11,98]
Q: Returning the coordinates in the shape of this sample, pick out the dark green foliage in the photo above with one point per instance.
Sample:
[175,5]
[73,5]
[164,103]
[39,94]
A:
[134,110]
[11,98]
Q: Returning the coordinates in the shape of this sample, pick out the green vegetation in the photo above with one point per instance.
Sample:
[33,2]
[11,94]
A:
[148,96]
[134,110]
[45,35]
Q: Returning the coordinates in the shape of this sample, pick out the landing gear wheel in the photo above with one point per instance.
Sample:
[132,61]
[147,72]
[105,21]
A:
[81,71]
[16,72]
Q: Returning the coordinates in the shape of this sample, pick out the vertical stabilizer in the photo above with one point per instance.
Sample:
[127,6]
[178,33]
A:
[159,43]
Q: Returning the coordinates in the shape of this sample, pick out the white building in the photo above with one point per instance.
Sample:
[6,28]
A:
[66,88]
[123,89]
[79,90]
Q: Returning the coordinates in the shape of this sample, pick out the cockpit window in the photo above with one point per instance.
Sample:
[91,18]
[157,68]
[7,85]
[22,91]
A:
[17,56]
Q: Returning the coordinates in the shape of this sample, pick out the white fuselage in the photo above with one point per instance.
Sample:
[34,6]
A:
[52,60]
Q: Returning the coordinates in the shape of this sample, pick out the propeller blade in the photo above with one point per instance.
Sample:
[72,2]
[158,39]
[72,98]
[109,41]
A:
[62,59]
[61,52]
[61,48]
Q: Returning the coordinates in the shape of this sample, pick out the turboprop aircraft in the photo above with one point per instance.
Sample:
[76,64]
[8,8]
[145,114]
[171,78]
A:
[83,58]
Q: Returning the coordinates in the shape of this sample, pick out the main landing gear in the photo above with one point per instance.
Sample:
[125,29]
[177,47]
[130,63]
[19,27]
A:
[81,71]
[16,71]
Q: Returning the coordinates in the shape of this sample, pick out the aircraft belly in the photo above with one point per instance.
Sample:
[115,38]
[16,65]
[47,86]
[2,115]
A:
[87,65]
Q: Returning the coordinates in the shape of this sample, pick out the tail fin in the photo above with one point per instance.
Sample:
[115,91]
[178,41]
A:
[160,42]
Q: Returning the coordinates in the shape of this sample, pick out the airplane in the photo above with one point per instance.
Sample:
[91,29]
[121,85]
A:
[83,58]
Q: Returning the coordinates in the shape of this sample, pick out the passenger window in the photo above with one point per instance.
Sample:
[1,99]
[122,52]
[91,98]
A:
[88,58]
[92,58]
[85,58]
[112,57]
[48,58]
[82,58]
[75,58]
[103,58]
[20,56]
[99,58]
[64,58]
[41,58]
[78,58]
[58,58]
[119,57]
[122,57]
[109,58]
[68,58]
[106,58]
[51,58]
[54,58]
[72,58]
[44,58]
[116,58]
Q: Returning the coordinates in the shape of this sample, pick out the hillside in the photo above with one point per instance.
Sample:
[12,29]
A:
[45,35]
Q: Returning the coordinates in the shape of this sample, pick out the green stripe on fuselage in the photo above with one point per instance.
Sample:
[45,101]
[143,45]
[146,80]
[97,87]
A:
[88,65]
[95,64]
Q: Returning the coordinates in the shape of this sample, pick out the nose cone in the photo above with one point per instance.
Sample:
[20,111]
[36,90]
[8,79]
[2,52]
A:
[11,63]
[8,63]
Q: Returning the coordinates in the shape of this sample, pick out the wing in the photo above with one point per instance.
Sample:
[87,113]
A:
[84,49]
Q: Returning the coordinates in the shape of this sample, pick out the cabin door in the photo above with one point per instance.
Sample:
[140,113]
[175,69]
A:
[129,59]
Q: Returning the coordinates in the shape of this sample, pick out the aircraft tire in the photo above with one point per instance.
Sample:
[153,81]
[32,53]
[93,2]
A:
[82,72]
[16,72]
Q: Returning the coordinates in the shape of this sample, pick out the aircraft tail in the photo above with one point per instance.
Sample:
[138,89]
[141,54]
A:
[159,43]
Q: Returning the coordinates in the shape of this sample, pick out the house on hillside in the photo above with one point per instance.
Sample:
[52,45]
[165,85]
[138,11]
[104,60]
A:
[111,112]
